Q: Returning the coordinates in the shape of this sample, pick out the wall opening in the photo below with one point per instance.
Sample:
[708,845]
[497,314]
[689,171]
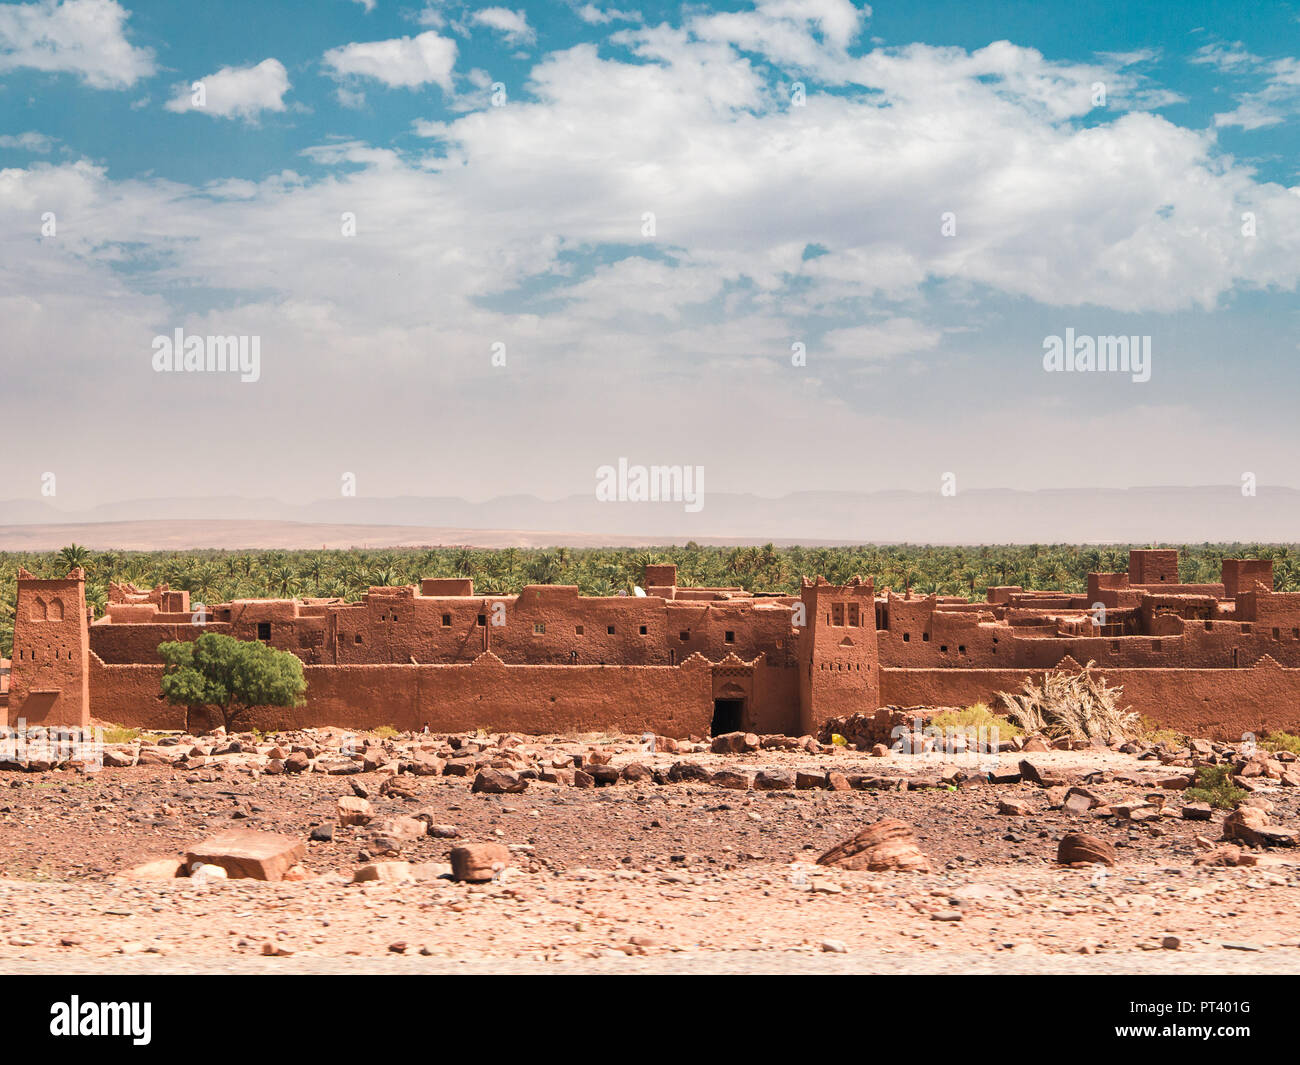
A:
[728,716]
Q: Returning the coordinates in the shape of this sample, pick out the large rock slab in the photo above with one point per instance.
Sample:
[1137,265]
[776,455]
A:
[886,846]
[351,810]
[1079,848]
[248,854]
[1249,824]
[479,862]
[498,782]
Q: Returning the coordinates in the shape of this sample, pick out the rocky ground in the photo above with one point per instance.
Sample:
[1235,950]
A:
[698,860]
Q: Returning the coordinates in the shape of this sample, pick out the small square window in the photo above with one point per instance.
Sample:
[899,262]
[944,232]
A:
[943,647]
[907,637]
[609,629]
[730,636]
[482,620]
[683,636]
[925,638]
[961,648]
[357,638]
[577,629]
[644,630]
[263,630]
[446,621]
[539,628]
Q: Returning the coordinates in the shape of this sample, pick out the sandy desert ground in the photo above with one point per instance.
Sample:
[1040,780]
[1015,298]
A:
[695,862]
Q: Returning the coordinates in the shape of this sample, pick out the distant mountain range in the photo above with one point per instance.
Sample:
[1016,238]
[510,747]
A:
[1103,515]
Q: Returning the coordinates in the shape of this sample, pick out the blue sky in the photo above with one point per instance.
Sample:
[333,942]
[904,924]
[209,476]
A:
[524,224]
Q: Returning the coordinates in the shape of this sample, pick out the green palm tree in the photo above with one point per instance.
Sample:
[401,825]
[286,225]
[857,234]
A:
[72,557]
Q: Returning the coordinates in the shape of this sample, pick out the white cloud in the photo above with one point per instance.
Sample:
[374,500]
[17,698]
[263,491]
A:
[402,62]
[788,31]
[512,25]
[82,37]
[596,16]
[237,92]
[524,227]
[369,5]
[28,142]
[878,342]
[1273,103]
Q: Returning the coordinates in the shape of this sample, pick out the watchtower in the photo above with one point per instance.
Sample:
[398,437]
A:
[839,660]
[49,682]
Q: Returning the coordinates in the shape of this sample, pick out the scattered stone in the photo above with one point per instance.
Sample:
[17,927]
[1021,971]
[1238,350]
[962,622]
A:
[1079,848]
[773,780]
[887,845]
[479,862]
[392,872]
[245,853]
[735,743]
[689,772]
[1044,778]
[351,810]
[158,869]
[498,782]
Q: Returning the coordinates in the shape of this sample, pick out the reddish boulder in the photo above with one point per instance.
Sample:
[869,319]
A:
[479,862]
[886,846]
[1079,848]
[243,852]
[498,782]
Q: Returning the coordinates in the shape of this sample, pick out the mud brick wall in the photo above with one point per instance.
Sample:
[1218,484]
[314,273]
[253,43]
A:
[486,694]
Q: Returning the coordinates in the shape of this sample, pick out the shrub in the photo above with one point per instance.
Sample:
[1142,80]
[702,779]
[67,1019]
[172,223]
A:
[1214,785]
[119,734]
[1072,706]
[978,716]
[1152,733]
[384,732]
[1281,741]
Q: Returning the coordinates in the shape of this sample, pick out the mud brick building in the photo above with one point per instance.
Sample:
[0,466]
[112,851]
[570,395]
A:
[1218,659]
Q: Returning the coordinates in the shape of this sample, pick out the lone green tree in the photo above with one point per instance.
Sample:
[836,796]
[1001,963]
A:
[232,675]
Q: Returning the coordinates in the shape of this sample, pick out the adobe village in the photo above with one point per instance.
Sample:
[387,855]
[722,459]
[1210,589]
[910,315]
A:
[689,779]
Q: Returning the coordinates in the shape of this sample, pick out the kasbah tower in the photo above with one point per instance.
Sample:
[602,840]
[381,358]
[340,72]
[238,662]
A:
[50,676]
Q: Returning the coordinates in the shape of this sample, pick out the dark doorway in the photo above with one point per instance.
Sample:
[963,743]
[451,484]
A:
[728,716]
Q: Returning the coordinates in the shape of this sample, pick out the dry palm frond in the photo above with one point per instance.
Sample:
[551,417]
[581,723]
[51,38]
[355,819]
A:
[1072,706]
